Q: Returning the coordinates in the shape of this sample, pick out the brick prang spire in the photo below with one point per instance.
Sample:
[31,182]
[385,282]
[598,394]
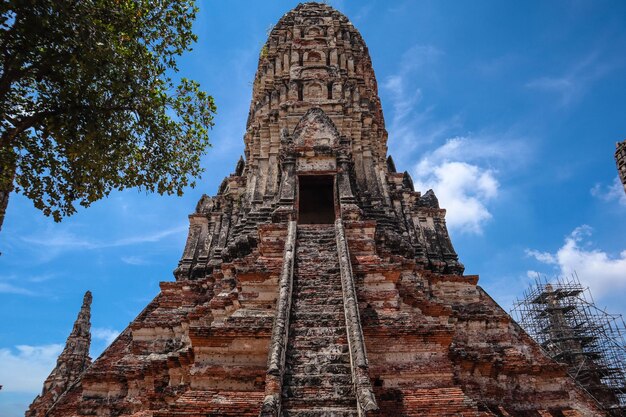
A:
[71,363]
[620,159]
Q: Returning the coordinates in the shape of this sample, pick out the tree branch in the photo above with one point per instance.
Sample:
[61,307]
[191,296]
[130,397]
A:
[23,124]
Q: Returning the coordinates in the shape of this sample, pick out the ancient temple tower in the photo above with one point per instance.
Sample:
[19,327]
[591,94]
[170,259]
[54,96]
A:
[318,282]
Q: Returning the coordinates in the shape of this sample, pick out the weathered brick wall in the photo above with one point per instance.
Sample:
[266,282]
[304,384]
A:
[438,342]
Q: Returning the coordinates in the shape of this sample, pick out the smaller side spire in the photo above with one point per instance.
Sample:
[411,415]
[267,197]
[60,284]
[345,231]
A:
[620,159]
[71,363]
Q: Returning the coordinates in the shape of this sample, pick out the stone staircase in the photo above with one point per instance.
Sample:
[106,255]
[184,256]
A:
[318,378]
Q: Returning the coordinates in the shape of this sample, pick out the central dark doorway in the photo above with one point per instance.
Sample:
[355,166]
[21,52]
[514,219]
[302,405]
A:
[316,200]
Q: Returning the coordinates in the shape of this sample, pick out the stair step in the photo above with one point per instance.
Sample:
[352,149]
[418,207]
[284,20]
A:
[305,308]
[316,344]
[321,412]
[318,320]
[319,300]
[326,287]
[313,305]
[330,330]
[323,262]
[319,345]
[320,281]
[317,336]
[303,295]
[302,364]
[321,290]
[337,395]
[319,305]
[316,269]
[311,368]
[323,380]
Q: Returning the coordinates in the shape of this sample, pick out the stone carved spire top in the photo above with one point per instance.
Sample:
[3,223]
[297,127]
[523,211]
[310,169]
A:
[315,58]
[71,363]
[82,326]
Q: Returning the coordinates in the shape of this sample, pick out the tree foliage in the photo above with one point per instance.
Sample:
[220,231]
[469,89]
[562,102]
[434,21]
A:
[90,102]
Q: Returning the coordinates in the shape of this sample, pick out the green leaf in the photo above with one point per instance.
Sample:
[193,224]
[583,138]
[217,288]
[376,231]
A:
[88,103]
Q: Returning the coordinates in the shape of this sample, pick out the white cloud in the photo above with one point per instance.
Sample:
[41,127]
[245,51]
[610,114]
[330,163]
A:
[543,257]
[410,125]
[403,103]
[25,368]
[462,184]
[337,4]
[464,170]
[8,288]
[610,193]
[39,278]
[601,272]
[63,240]
[134,260]
[363,13]
[419,55]
[576,80]
[8,284]
[107,335]
[490,67]
[463,189]
[531,274]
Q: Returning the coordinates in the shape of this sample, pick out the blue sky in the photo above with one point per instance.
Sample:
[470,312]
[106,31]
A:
[509,110]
